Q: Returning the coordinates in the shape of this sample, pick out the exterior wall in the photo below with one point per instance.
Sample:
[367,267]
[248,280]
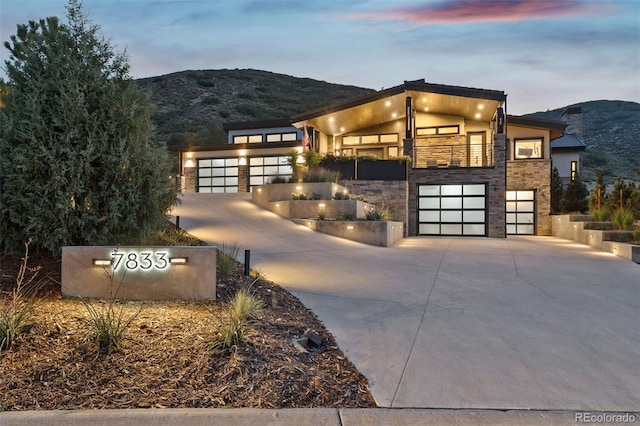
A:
[516,132]
[393,194]
[536,175]
[493,176]
[189,179]
[562,162]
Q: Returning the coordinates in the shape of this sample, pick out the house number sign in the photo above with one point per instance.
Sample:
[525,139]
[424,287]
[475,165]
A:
[144,260]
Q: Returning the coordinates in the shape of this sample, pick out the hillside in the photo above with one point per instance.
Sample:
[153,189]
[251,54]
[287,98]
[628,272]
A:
[611,130]
[192,105]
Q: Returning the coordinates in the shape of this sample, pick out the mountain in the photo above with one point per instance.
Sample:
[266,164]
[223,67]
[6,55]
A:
[611,132]
[190,106]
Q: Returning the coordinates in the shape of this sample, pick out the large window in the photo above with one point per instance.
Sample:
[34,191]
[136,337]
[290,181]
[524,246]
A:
[247,139]
[528,148]
[438,130]
[370,139]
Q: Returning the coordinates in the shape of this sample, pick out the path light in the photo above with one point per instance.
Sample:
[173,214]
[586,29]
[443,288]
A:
[179,260]
[349,226]
[101,262]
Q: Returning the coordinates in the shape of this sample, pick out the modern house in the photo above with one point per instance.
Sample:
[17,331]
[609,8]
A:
[472,170]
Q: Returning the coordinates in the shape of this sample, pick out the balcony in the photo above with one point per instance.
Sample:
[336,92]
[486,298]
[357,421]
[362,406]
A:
[451,152]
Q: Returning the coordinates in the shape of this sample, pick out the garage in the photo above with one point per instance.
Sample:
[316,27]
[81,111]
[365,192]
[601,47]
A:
[521,213]
[216,175]
[263,169]
[452,209]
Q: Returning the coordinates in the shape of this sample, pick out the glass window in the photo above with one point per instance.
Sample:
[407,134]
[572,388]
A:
[287,137]
[393,137]
[451,189]
[255,139]
[351,140]
[240,139]
[528,148]
[274,137]
[370,139]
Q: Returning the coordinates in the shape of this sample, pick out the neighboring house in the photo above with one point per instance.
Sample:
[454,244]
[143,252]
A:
[566,151]
[472,172]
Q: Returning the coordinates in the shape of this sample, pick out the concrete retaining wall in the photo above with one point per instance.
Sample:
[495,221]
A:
[576,228]
[377,233]
[140,273]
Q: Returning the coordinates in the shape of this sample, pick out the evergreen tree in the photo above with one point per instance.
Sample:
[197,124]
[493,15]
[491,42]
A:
[598,193]
[619,195]
[77,166]
[557,191]
[575,197]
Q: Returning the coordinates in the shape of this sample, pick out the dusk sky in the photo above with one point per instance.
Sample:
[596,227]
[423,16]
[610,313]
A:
[544,54]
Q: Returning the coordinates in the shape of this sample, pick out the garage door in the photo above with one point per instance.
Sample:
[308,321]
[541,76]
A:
[450,209]
[217,175]
[521,212]
[263,169]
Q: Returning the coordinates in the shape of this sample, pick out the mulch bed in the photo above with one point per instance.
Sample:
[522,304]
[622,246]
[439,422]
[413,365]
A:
[166,360]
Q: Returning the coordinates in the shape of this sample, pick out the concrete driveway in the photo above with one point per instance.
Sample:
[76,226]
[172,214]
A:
[517,323]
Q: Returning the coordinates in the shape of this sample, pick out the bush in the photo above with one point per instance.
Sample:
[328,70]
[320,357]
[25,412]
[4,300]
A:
[278,179]
[378,213]
[243,309]
[319,174]
[602,215]
[623,219]
[226,257]
[107,319]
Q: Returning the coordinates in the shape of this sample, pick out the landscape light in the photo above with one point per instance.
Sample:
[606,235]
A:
[101,262]
[179,260]
[349,226]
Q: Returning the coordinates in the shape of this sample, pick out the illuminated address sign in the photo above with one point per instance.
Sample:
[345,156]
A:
[142,260]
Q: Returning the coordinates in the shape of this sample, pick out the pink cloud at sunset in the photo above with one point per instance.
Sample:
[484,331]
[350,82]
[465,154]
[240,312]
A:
[464,11]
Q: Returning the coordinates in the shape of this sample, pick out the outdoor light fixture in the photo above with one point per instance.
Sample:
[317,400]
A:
[179,260]
[243,161]
[259,189]
[349,226]
[277,205]
[101,262]
[298,188]
[321,205]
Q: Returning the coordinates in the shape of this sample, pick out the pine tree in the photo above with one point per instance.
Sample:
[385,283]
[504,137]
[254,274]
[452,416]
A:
[557,191]
[575,197]
[598,193]
[77,163]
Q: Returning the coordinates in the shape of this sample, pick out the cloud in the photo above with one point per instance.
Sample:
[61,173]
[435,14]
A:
[463,11]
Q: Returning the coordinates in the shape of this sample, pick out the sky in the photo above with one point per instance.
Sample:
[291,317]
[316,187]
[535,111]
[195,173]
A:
[545,54]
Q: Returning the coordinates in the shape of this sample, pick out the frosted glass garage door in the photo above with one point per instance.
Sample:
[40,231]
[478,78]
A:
[521,212]
[263,169]
[217,175]
[450,209]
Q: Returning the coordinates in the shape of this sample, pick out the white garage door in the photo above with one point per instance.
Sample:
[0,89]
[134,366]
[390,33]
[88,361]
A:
[263,169]
[521,212]
[450,209]
[217,175]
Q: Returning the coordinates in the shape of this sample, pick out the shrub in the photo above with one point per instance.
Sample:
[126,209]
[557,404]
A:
[278,179]
[346,215]
[226,258]
[107,319]
[316,196]
[299,196]
[244,308]
[602,215]
[322,214]
[378,213]
[622,219]
[178,237]
[319,174]
[17,308]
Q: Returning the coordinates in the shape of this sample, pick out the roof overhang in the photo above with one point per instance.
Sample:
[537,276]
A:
[390,104]
[556,128]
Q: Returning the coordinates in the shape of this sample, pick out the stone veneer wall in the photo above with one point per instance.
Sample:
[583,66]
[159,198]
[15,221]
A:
[243,178]
[494,177]
[392,194]
[533,174]
[189,179]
